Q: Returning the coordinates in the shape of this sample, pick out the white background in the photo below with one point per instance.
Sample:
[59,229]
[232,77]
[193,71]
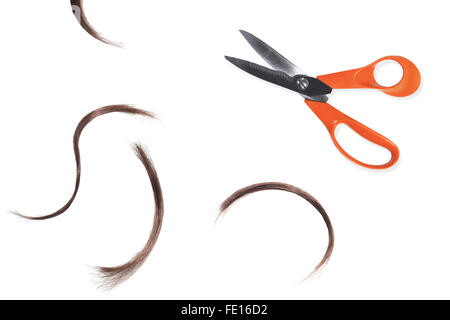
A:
[219,130]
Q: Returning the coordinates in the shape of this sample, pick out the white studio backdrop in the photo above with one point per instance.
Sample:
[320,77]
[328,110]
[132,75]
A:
[220,129]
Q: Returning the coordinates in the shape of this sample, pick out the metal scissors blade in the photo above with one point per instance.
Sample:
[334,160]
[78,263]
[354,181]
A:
[309,87]
[271,56]
[285,68]
[277,77]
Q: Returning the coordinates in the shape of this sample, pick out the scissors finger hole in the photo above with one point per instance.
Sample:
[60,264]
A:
[359,148]
[388,73]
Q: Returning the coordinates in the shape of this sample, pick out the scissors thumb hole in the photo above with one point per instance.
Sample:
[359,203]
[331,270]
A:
[388,73]
[360,148]
[408,84]
[364,78]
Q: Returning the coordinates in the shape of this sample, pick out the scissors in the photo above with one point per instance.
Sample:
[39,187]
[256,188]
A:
[316,91]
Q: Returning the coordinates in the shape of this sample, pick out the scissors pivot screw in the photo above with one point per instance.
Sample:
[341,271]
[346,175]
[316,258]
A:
[303,83]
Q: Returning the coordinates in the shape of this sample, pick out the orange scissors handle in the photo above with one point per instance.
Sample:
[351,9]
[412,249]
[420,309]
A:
[364,78]
[332,118]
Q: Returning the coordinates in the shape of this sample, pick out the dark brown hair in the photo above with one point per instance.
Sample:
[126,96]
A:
[76,141]
[289,188]
[78,11]
[115,275]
